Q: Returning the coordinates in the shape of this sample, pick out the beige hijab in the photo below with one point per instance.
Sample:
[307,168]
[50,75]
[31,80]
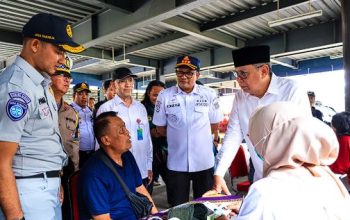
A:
[290,140]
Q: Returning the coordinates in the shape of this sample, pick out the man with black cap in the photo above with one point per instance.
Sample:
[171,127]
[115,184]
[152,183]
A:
[32,153]
[134,114]
[109,93]
[188,114]
[68,121]
[86,132]
[259,87]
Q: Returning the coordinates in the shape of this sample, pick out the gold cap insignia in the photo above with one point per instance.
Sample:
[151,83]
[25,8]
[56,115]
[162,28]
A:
[83,86]
[69,30]
[186,59]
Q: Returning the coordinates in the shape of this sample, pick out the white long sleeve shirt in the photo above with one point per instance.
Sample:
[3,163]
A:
[135,118]
[244,104]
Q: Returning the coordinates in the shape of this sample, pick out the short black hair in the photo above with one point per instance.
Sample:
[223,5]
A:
[341,123]
[107,84]
[101,124]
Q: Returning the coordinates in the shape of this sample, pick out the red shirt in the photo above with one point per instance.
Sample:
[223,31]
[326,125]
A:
[342,164]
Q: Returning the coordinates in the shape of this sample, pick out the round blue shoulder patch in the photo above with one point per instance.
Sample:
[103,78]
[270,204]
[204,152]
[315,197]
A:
[16,109]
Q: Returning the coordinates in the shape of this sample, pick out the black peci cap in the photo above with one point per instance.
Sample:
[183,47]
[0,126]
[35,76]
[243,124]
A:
[251,55]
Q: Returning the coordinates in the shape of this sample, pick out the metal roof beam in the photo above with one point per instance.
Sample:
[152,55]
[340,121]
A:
[16,38]
[282,46]
[123,5]
[287,62]
[10,37]
[111,23]
[303,38]
[146,45]
[259,10]
[191,28]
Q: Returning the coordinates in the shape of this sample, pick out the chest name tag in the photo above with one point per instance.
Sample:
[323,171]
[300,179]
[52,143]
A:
[173,105]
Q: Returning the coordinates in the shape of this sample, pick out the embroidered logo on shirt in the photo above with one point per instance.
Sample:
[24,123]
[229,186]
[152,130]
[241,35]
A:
[42,100]
[158,104]
[17,105]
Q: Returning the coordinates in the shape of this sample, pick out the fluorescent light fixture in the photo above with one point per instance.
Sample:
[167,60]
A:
[295,18]
[336,56]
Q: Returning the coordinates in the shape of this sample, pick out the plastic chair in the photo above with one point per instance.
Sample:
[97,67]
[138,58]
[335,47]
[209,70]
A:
[73,194]
[237,169]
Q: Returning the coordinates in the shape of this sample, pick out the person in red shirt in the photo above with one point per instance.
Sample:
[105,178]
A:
[341,126]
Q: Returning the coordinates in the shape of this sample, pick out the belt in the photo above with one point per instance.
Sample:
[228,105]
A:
[49,174]
[87,151]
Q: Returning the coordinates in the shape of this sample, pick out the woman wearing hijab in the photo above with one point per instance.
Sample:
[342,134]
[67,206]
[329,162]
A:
[296,150]
[341,126]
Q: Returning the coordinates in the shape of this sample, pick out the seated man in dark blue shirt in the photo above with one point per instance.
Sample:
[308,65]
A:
[100,195]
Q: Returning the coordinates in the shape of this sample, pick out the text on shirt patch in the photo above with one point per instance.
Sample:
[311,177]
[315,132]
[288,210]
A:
[173,105]
[17,105]
[202,102]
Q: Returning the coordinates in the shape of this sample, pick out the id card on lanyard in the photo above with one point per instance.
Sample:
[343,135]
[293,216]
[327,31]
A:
[139,129]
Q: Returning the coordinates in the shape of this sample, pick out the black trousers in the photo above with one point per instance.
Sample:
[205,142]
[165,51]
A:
[178,185]
[66,207]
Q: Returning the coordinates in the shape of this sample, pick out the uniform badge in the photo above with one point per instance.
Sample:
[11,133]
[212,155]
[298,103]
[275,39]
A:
[17,105]
[216,103]
[69,30]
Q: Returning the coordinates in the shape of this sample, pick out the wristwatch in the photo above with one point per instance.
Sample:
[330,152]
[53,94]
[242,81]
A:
[217,140]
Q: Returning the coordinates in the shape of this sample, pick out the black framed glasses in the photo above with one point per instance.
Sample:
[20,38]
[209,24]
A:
[182,72]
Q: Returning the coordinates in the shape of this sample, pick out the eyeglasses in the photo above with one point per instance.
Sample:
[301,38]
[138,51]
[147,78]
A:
[242,75]
[126,80]
[66,76]
[181,73]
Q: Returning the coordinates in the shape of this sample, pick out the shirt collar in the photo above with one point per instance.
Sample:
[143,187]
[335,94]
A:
[194,91]
[117,100]
[76,106]
[29,70]
[273,87]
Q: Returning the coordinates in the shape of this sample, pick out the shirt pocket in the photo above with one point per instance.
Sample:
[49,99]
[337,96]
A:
[173,116]
[201,114]
[39,124]
[70,124]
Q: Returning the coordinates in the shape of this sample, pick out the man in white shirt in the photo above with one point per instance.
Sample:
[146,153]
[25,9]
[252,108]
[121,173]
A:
[259,87]
[188,114]
[135,117]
